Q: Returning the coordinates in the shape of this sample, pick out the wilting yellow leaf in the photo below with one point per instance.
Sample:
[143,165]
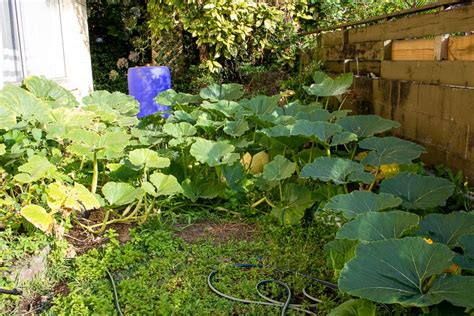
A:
[255,164]
[38,216]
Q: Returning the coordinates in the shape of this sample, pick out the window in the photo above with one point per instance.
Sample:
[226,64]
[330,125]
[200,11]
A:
[32,39]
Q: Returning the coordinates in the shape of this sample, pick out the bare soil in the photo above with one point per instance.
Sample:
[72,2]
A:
[219,232]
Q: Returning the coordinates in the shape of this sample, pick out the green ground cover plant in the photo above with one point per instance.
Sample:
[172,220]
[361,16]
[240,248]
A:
[159,273]
[300,163]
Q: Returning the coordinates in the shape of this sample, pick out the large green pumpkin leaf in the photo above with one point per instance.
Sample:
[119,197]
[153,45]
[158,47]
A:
[179,130]
[77,198]
[456,289]
[145,157]
[7,118]
[466,260]
[36,168]
[24,104]
[234,176]
[322,131]
[208,188]
[325,86]
[447,228]
[236,128]
[225,107]
[104,102]
[48,89]
[278,169]
[314,115]
[467,244]
[213,153]
[418,192]
[373,226]
[337,170]
[389,150]
[338,252]
[215,92]
[366,125]
[114,141]
[343,138]
[165,184]
[358,202]
[88,138]
[296,199]
[394,271]
[38,216]
[278,131]
[171,98]
[120,193]
[355,308]
[261,105]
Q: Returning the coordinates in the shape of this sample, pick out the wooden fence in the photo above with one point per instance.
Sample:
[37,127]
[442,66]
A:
[418,70]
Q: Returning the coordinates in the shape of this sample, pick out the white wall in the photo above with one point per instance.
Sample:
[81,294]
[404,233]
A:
[76,47]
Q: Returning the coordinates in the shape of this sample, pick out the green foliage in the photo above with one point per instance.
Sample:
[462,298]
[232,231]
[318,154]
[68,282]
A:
[355,308]
[157,272]
[245,155]
[371,226]
[358,202]
[418,192]
[119,39]
[225,30]
[390,278]
[325,86]
[447,229]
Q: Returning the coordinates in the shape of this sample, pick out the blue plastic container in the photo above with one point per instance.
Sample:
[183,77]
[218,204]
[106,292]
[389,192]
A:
[144,83]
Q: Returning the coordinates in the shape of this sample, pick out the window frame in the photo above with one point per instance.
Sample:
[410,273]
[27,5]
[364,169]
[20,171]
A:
[19,37]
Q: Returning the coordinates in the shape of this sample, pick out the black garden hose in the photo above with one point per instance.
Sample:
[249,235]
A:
[11,292]
[114,288]
[267,300]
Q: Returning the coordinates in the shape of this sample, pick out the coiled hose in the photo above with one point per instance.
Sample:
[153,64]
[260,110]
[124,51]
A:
[267,300]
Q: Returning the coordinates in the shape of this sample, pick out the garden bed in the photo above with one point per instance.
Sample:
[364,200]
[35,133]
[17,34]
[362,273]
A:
[291,188]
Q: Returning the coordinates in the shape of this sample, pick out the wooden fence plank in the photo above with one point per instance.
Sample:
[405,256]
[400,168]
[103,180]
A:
[457,73]
[461,48]
[422,49]
[356,67]
[332,39]
[443,22]
[368,50]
